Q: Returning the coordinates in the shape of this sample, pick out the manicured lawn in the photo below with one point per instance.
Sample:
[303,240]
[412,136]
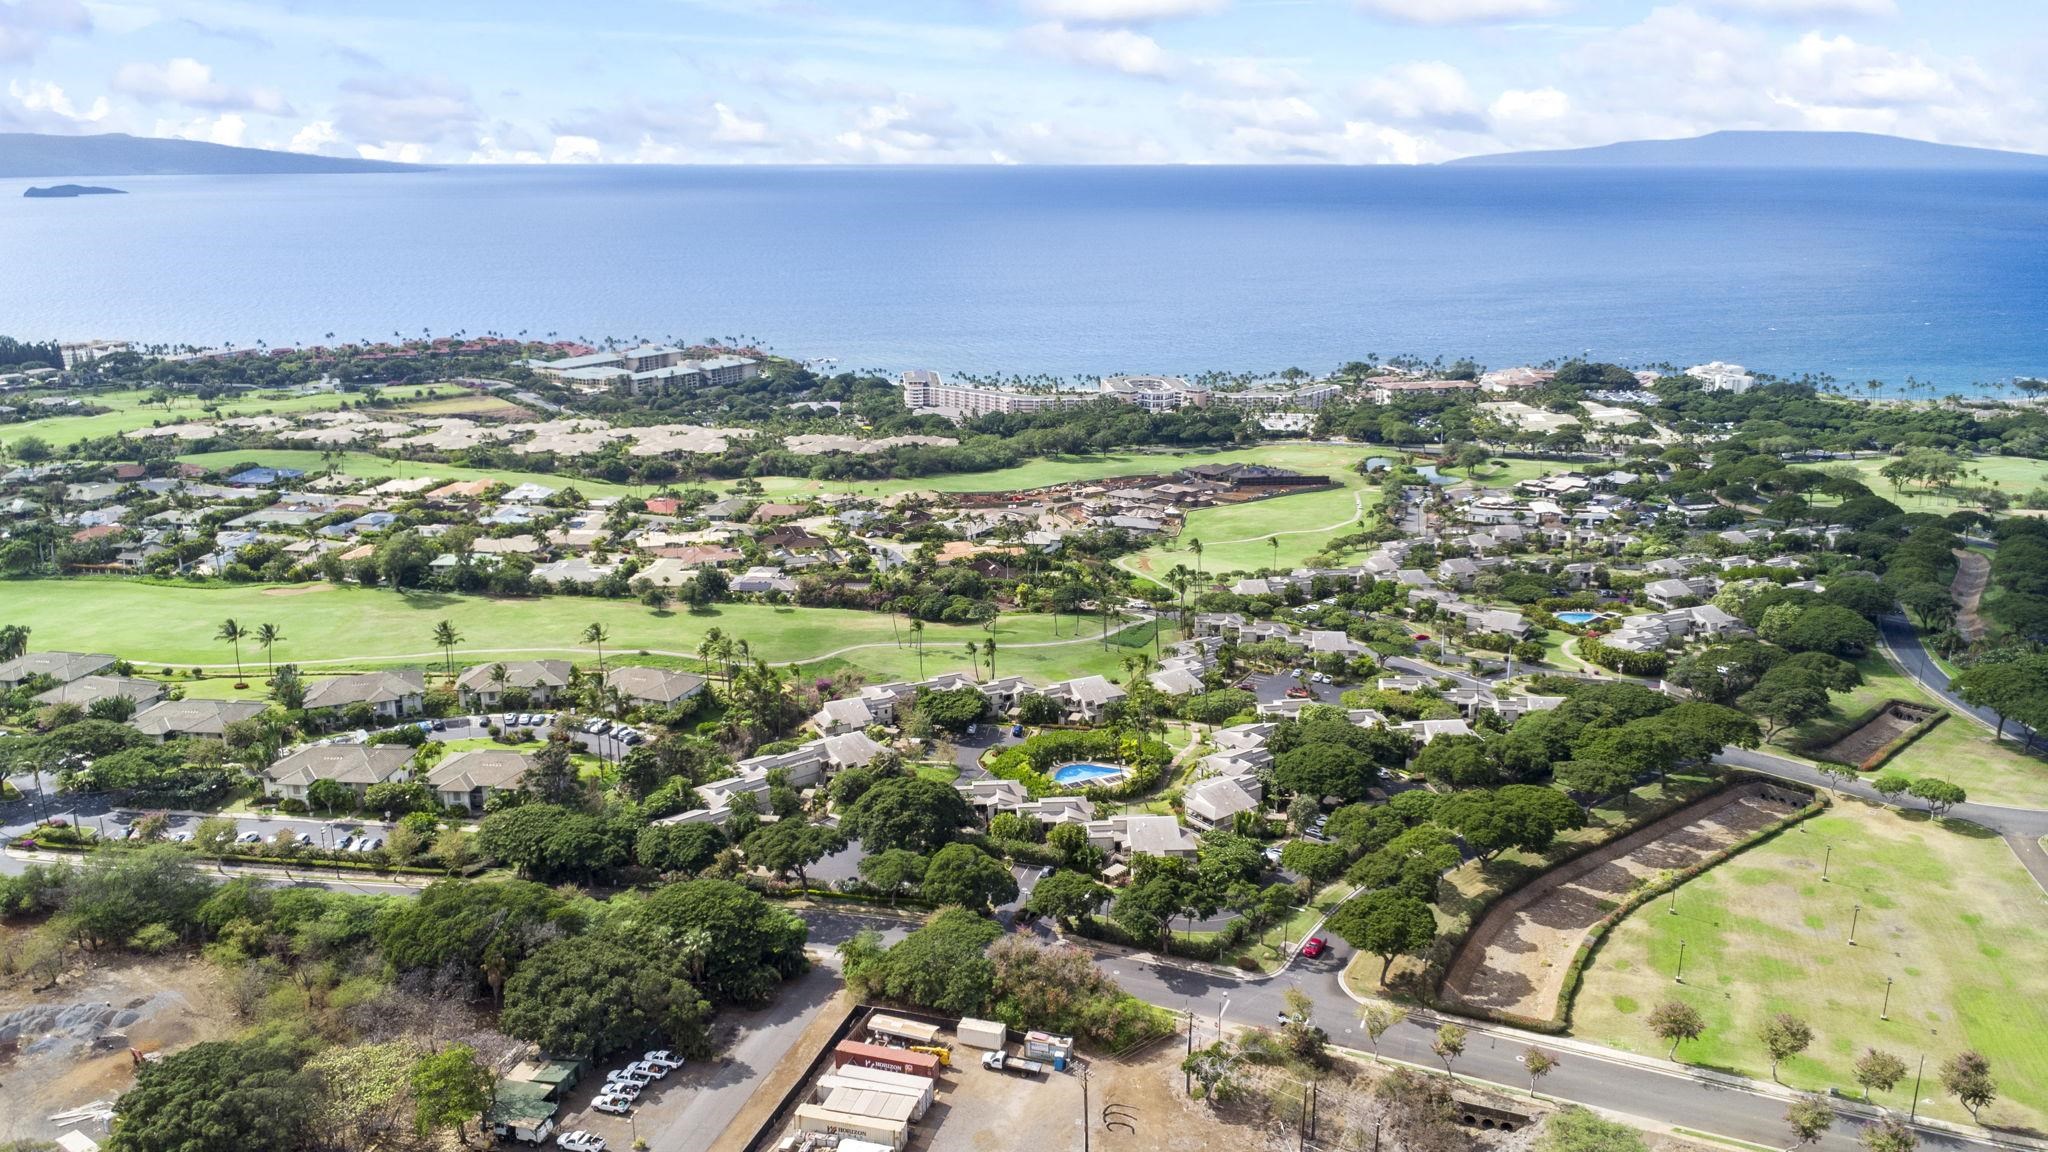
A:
[1947,913]
[157,624]
[1510,472]
[129,413]
[943,773]
[365,466]
[1958,749]
[2014,475]
[1334,462]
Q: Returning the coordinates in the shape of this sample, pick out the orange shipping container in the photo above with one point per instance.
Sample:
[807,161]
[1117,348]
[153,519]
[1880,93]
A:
[887,1059]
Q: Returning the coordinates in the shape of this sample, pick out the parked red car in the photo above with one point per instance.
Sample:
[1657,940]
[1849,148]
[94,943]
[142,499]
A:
[1300,693]
[1315,947]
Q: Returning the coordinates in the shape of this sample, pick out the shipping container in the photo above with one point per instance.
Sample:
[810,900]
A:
[989,1034]
[878,1076]
[896,1028]
[813,1118]
[919,1092]
[887,1059]
[872,1102]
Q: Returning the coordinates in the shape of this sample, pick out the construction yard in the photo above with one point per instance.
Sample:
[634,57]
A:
[1515,960]
[68,1047]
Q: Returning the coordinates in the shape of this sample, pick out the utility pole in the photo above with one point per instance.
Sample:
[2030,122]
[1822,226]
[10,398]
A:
[1915,1113]
[1084,1102]
[1187,1075]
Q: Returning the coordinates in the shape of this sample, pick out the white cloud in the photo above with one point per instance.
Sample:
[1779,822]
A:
[1115,49]
[186,81]
[575,150]
[1838,70]
[26,25]
[314,137]
[1520,107]
[227,128]
[390,111]
[1462,11]
[404,153]
[1250,74]
[1123,11]
[43,106]
[1807,9]
[733,128]
[1425,92]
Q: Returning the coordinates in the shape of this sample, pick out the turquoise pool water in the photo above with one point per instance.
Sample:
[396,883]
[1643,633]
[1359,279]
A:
[1077,775]
[1579,618]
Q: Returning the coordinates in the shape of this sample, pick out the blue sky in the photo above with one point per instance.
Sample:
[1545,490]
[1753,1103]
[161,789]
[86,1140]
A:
[1014,81]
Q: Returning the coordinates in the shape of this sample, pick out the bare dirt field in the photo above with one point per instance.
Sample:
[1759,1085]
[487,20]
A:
[1897,718]
[1515,960]
[67,1046]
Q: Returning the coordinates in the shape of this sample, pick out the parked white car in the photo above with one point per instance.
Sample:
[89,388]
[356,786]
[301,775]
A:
[660,1058]
[614,1105]
[580,1141]
[625,1089]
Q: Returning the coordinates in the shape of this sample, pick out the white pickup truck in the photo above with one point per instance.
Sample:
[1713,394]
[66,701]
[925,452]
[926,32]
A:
[999,1061]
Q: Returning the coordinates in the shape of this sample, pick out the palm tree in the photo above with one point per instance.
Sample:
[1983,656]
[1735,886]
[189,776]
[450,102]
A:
[500,679]
[596,634]
[1274,540]
[917,638]
[234,634]
[709,645]
[446,638]
[989,646]
[1195,546]
[1178,578]
[14,641]
[267,636]
[974,659]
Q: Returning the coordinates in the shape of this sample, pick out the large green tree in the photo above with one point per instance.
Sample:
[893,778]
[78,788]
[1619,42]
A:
[218,1095]
[591,996]
[965,875]
[907,812]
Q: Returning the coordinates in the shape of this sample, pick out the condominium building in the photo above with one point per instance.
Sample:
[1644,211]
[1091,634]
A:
[1719,377]
[927,391]
[1156,393]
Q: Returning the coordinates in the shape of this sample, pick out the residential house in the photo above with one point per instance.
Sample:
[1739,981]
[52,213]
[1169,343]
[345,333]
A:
[169,720]
[89,690]
[653,687]
[469,779]
[541,680]
[353,766]
[389,695]
[1215,802]
[63,667]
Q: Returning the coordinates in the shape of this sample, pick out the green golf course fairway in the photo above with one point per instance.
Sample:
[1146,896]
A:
[156,624]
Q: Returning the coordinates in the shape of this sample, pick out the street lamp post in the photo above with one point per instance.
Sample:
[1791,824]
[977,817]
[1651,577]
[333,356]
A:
[1853,915]
[1827,854]
[1680,978]
[1915,1113]
[1884,1013]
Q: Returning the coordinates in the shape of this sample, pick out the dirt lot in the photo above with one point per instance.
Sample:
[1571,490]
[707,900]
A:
[1515,960]
[67,1047]
[1897,718]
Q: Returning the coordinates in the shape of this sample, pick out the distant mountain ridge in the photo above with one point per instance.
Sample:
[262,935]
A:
[30,154]
[1834,150]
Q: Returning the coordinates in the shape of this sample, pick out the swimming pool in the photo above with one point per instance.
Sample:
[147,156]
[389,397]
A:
[1580,618]
[1082,775]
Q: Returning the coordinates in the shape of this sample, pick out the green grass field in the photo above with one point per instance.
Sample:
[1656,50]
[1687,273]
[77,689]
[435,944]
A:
[1958,749]
[131,412]
[174,624]
[2014,475]
[1947,913]
[364,466]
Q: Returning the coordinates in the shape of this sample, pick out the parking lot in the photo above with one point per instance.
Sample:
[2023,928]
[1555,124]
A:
[687,1110]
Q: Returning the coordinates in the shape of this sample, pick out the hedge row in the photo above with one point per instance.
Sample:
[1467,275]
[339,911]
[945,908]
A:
[1813,745]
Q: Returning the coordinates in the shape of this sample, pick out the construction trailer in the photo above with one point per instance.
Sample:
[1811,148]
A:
[817,1118]
[989,1034]
[887,1059]
[1046,1046]
[872,1103]
[897,1030]
[918,1091]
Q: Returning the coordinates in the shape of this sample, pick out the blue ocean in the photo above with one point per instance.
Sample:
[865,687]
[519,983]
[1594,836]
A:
[1075,271]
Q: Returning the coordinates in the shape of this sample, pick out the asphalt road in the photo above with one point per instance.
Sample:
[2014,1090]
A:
[1903,641]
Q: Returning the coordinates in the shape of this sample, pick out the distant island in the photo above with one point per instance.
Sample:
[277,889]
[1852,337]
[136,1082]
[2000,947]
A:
[30,154]
[65,191]
[1814,150]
